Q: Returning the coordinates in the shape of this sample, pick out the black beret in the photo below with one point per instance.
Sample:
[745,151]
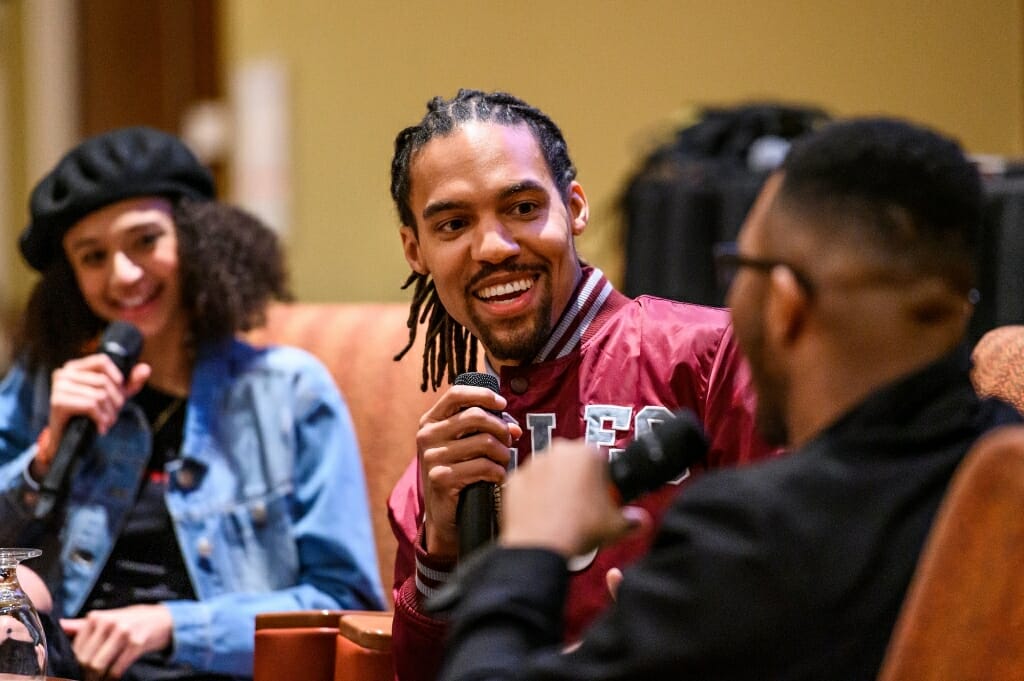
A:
[105,169]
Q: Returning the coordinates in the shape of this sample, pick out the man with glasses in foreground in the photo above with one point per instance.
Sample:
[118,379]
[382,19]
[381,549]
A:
[851,300]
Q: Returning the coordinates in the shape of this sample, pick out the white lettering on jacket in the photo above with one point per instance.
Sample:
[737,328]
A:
[603,424]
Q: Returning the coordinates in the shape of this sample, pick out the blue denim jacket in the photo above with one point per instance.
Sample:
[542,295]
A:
[267,499]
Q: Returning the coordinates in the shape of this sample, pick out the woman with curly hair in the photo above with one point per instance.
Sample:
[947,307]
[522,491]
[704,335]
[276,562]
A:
[215,485]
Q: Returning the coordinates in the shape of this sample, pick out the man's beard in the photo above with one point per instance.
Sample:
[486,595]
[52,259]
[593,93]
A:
[770,387]
[524,338]
[770,421]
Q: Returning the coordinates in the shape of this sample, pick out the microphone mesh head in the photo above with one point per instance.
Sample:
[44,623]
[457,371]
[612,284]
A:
[662,455]
[478,379]
[122,342]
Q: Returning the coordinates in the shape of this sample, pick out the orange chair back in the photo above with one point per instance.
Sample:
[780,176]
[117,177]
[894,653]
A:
[963,616]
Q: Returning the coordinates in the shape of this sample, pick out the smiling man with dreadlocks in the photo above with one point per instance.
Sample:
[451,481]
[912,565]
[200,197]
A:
[490,208]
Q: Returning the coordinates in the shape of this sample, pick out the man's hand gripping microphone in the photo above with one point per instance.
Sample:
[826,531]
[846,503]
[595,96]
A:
[476,516]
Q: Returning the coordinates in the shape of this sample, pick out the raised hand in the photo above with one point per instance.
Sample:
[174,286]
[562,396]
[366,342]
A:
[90,386]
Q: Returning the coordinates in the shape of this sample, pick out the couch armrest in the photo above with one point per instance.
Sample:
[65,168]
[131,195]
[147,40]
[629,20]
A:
[323,645]
[296,645]
[364,647]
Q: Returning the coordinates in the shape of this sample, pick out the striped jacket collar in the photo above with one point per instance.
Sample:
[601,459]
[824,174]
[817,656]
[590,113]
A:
[591,293]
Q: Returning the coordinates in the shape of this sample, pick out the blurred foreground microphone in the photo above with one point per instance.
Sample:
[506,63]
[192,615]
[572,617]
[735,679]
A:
[660,456]
[476,516]
[647,463]
[122,343]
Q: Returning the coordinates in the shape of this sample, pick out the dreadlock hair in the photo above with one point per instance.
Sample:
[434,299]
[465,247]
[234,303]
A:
[230,264]
[449,348]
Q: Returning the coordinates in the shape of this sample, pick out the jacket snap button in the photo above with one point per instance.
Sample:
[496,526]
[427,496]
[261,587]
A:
[185,478]
[259,513]
[205,547]
[519,385]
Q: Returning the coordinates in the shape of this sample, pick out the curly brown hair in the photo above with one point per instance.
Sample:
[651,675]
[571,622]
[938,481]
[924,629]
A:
[231,266]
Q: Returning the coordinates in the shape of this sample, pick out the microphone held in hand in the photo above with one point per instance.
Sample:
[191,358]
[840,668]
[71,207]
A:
[122,343]
[476,516]
[660,456]
[657,458]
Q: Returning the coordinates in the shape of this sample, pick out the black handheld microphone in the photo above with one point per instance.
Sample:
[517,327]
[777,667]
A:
[122,343]
[476,516]
[660,456]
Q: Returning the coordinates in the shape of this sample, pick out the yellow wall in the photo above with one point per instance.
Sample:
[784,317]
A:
[613,74]
[13,186]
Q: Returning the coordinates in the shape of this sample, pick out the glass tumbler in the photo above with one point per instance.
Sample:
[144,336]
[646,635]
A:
[22,641]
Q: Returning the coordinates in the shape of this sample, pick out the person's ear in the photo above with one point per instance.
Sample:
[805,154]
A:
[579,208]
[412,251]
[787,307]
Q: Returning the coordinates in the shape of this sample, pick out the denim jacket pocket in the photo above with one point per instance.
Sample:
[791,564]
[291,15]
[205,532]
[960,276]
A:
[246,546]
[261,533]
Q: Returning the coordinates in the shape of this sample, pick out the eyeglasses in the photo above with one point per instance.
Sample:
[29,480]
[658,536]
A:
[728,262]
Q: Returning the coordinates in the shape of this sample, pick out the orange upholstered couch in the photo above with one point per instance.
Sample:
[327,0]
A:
[357,343]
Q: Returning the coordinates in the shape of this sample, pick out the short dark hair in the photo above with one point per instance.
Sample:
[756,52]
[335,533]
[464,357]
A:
[449,348]
[231,266]
[912,186]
